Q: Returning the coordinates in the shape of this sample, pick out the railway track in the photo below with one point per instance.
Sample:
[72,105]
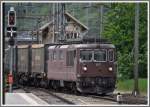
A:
[126,98]
[65,97]
[82,99]
[46,95]
[111,97]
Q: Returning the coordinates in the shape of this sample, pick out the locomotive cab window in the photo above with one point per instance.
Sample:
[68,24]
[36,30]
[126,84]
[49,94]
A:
[100,55]
[111,55]
[86,55]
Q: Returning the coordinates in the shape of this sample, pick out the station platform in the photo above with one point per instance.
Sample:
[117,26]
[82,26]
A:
[23,99]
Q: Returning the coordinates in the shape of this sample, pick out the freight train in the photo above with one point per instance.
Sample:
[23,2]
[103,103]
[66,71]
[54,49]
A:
[86,67]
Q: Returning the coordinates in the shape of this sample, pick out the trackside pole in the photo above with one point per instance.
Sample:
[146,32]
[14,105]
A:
[11,33]
[10,75]
[136,50]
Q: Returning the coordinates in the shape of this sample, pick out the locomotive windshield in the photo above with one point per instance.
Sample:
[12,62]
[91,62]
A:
[86,55]
[100,55]
[93,55]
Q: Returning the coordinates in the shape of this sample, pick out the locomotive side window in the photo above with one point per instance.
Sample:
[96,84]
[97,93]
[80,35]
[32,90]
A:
[61,55]
[111,55]
[86,55]
[50,56]
[70,58]
[54,55]
[100,55]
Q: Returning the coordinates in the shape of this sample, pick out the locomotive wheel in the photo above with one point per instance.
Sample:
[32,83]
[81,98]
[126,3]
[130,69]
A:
[31,81]
[55,85]
[44,83]
[47,84]
[74,88]
[21,79]
[36,82]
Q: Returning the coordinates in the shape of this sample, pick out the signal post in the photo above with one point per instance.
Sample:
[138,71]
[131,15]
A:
[11,33]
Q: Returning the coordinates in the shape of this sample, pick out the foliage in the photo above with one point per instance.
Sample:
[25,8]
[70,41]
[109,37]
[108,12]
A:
[125,64]
[119,28]
[128,85]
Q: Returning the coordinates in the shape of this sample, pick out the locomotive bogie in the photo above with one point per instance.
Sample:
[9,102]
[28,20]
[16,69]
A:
[96,84]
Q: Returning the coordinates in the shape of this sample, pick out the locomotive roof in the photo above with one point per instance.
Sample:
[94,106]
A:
[74,46]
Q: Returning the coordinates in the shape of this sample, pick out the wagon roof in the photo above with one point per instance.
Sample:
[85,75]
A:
[37,45]
[22,46]
[75,46]
[94,45]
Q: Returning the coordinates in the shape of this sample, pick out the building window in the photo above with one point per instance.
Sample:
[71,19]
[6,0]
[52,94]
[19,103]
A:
[67,35]
[71,35]
[75,35]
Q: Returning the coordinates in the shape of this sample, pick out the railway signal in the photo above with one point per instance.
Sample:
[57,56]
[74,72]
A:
[11,33]
[11,17]
[11,29]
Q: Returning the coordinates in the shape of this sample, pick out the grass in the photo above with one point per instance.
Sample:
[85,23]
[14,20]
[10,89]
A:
[128,85]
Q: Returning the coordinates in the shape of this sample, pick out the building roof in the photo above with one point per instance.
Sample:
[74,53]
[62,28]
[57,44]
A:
[45,25]
[76,20]
[67,15]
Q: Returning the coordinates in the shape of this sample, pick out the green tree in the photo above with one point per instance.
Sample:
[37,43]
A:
[119,28]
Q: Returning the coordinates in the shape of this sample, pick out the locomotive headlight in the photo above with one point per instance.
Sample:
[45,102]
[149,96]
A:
[110,68]
[85,68]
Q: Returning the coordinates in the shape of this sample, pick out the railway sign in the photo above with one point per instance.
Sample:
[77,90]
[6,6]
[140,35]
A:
[11,31]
